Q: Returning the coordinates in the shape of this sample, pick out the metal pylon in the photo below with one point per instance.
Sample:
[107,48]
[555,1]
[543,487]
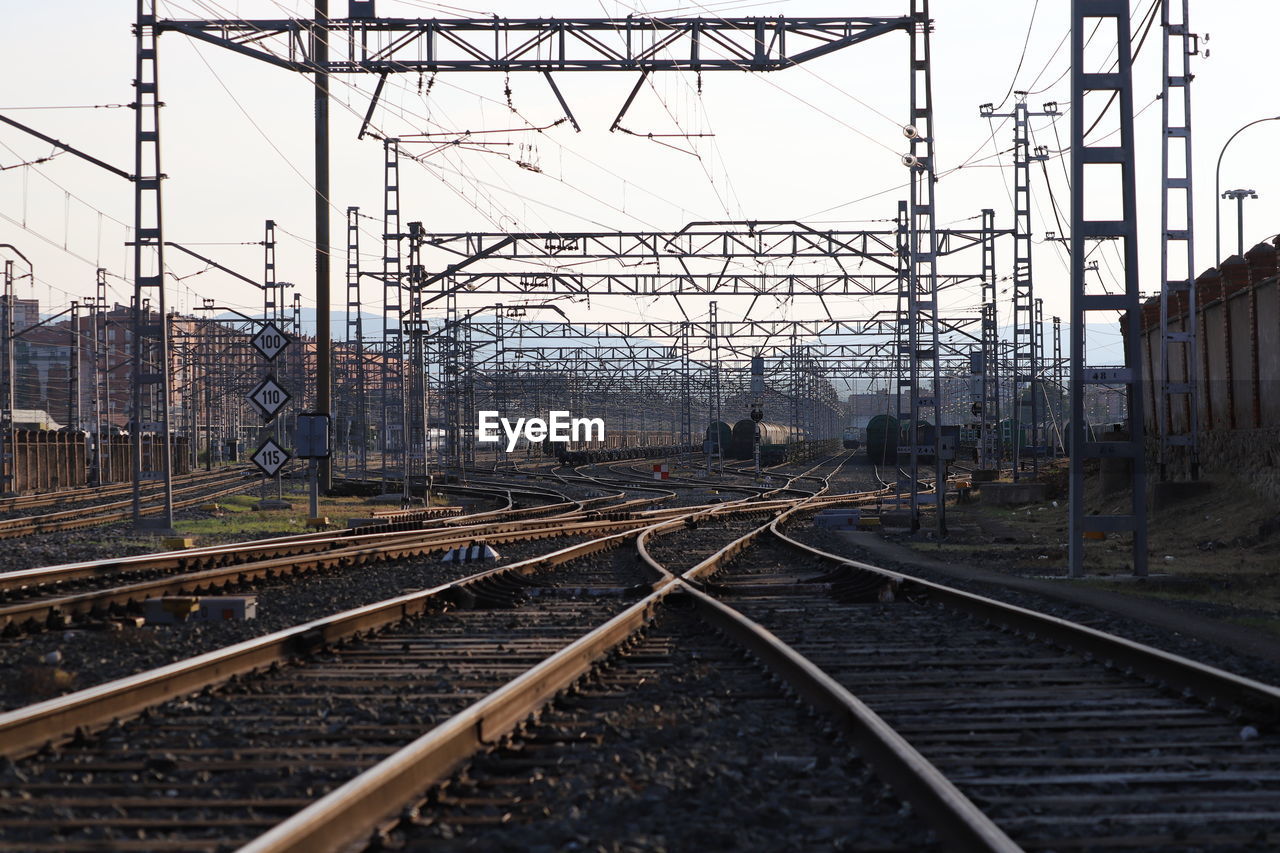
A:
[686,384]
[149,388]
[356,406]
[1025,332]
[415,408]
[922,271]
[392,311]
[989,430]
[1121,153]
[1177,249]
[713,398]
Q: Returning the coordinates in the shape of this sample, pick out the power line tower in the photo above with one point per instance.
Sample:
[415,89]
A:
[989,438]
[1025,334]
[1114,18]
[922,269]
[1177,252]
[392,383]
[149,389]
[356,428]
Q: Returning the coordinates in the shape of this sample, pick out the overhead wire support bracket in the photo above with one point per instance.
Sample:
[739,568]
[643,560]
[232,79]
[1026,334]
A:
[57,143]
[568,113]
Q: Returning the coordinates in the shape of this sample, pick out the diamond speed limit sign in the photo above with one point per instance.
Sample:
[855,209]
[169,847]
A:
[269,397]
[270,457]
[270,341]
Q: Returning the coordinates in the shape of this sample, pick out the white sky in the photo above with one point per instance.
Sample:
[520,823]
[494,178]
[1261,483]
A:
[820,143]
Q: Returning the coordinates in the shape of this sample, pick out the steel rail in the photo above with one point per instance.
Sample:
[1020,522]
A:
[295,545]
[25,730]
[44,611]
[84,494]
[1226,690]
[351,811]
[74,519]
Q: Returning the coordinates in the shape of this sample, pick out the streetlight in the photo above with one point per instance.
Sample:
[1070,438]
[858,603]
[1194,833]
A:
[1217,187]
[1240,196]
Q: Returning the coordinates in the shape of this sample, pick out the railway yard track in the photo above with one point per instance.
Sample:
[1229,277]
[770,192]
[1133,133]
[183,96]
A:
[635,665]
[192,492]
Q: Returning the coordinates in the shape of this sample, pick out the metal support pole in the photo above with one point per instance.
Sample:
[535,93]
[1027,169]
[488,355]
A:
[1177,246]
[1026,413]
[989,425]
[324,344]
[392,307]
[355,345]
[73,369]
[103,460]
[8,452]
[148,269]
[923,271]
[1115,19]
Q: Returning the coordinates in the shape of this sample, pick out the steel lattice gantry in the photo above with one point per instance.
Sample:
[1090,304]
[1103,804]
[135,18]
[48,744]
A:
[1113,169]
[324,46]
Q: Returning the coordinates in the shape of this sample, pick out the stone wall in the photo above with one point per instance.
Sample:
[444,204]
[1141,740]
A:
[1252,455]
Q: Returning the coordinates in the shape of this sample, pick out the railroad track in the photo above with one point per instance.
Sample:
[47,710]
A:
[438,650]
[21,503]
[107,513]
[906,670]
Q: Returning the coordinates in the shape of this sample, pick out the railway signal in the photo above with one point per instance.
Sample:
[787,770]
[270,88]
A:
[270,458]
[269,397]
[270,341]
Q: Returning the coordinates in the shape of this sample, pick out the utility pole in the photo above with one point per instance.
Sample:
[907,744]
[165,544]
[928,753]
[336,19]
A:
[392,307]
[149,270]
[1025,334]
[103,460]
[1114,19]
[1177,244]
[989,404]
[73,369]
[9,456]
[922,271]
[324,380]
[355,344]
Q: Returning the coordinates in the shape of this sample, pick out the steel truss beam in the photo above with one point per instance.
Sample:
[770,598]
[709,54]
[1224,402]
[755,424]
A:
[727,239]
[636,43]
[728,330]
[546,283]
[1114,19]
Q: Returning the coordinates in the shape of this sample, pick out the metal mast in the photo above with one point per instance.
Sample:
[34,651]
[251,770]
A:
[356,406]
[148,282]
[1130,448]
[989,437]
[1177,246]
[922,272]
[1025,334]
[392,308]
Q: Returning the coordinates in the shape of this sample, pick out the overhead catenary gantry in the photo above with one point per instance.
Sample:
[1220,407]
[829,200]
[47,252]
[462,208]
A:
[324,46]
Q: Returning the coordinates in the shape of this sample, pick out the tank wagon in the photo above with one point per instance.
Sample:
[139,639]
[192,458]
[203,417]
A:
[774,439]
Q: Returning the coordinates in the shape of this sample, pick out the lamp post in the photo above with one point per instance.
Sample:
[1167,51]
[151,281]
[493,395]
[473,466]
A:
[1217,188]
[1239,196]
